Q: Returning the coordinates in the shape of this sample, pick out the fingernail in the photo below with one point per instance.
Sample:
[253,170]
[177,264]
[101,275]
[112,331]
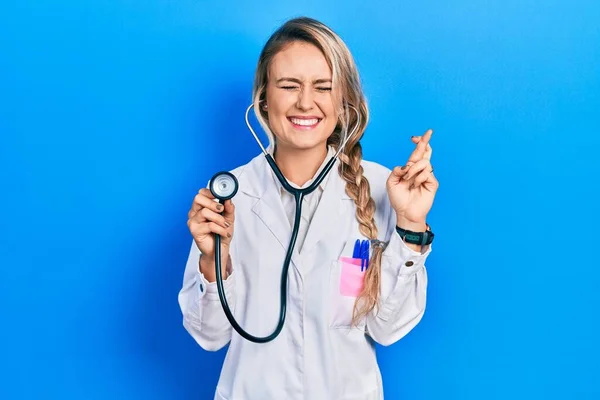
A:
[227,224]
[404,167]
[228,235]
[220,207]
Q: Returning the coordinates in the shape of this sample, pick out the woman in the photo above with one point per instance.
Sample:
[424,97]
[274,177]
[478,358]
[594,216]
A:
[307,95]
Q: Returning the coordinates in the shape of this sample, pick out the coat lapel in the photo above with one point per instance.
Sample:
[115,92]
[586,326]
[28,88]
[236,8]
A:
[268,208]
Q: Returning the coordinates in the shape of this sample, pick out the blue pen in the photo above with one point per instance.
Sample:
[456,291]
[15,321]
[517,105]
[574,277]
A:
[362,259]
[363,249]
[366,254]
[357,249]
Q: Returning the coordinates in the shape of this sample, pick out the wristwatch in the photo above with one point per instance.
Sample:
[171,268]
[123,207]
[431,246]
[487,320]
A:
[422,238]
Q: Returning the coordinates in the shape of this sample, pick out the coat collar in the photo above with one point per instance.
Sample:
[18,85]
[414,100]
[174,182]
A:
[258,177]
[330,153]
[258,181]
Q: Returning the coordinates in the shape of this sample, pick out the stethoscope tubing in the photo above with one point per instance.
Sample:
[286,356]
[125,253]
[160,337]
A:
[298,196]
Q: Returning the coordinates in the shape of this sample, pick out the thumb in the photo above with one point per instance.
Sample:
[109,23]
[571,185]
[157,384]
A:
[229,211]
[399,172]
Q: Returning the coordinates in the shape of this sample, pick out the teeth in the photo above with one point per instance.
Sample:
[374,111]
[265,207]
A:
[304,122]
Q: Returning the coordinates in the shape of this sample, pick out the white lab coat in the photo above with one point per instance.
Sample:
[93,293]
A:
[317,355]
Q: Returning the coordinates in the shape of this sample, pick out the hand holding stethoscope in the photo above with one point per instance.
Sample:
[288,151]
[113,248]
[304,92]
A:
[412,188]
[207,218]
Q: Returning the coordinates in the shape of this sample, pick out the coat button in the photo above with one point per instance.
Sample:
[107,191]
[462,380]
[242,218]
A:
[409,263]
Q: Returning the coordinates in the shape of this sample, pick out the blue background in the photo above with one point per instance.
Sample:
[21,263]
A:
[113,114]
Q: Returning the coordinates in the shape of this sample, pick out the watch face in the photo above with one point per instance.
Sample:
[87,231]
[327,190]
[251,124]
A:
[413,238]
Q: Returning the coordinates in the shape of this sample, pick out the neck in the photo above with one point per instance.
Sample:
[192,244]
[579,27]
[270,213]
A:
[300,166]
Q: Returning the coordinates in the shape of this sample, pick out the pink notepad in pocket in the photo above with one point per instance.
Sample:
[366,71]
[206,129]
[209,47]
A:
[351,277]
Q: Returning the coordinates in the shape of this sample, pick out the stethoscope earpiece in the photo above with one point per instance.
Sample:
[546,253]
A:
[223,185]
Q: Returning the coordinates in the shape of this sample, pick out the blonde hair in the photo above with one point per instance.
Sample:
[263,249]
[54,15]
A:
[347,94]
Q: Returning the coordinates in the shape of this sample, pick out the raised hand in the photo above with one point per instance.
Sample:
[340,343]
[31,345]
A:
[411,188]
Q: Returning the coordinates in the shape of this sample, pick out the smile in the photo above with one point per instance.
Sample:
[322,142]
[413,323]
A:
[304,123]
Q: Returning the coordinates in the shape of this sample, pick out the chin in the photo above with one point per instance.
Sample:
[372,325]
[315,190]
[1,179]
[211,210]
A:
[307,144]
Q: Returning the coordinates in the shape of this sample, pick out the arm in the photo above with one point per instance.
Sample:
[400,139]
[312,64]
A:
[403,285]
[403,288]
[203,315]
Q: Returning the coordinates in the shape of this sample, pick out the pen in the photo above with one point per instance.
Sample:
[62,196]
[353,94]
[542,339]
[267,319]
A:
[357,248]
[363,259]
[366,254]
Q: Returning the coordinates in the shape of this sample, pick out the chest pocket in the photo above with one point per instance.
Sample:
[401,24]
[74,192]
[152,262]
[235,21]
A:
[346,281]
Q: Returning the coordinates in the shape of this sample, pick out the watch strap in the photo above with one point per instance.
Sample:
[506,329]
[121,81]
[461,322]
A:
[421,238]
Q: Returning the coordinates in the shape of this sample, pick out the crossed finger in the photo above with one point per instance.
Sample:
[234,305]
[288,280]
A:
[415,169]
[428,151]
[418,174]
[421,151]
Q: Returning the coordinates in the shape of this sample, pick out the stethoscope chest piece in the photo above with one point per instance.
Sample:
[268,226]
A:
[223,185]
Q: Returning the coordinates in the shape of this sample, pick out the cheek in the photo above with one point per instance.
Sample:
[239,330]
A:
[279,100]
[329,111]
[326,105]
[330,126]
[278,112]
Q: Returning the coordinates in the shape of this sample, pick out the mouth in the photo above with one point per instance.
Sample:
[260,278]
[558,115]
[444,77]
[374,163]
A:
[304,123]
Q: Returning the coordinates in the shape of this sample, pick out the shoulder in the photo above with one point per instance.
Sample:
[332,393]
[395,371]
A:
[376,174]
[375,169]
[241,172]
[247,168]
[251,176]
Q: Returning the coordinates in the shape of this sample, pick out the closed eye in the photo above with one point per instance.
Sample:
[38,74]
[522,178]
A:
[320,89]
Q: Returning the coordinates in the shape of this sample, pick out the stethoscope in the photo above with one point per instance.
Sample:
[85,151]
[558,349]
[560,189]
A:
[224,185]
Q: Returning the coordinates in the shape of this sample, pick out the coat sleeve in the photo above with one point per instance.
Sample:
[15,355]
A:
[403,288]
[203,315]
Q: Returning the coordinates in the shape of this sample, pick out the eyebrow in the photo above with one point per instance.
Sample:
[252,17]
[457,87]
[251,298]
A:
[296,80]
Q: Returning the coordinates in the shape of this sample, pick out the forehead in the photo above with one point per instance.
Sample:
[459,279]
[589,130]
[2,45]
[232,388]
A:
[300,60]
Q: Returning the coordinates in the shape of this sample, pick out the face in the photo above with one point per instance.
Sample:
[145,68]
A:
[299,98]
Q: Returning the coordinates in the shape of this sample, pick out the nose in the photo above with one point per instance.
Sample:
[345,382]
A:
[305,100]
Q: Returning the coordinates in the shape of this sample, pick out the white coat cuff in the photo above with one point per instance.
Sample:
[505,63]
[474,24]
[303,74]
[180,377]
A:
[399,255]
[209,289]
